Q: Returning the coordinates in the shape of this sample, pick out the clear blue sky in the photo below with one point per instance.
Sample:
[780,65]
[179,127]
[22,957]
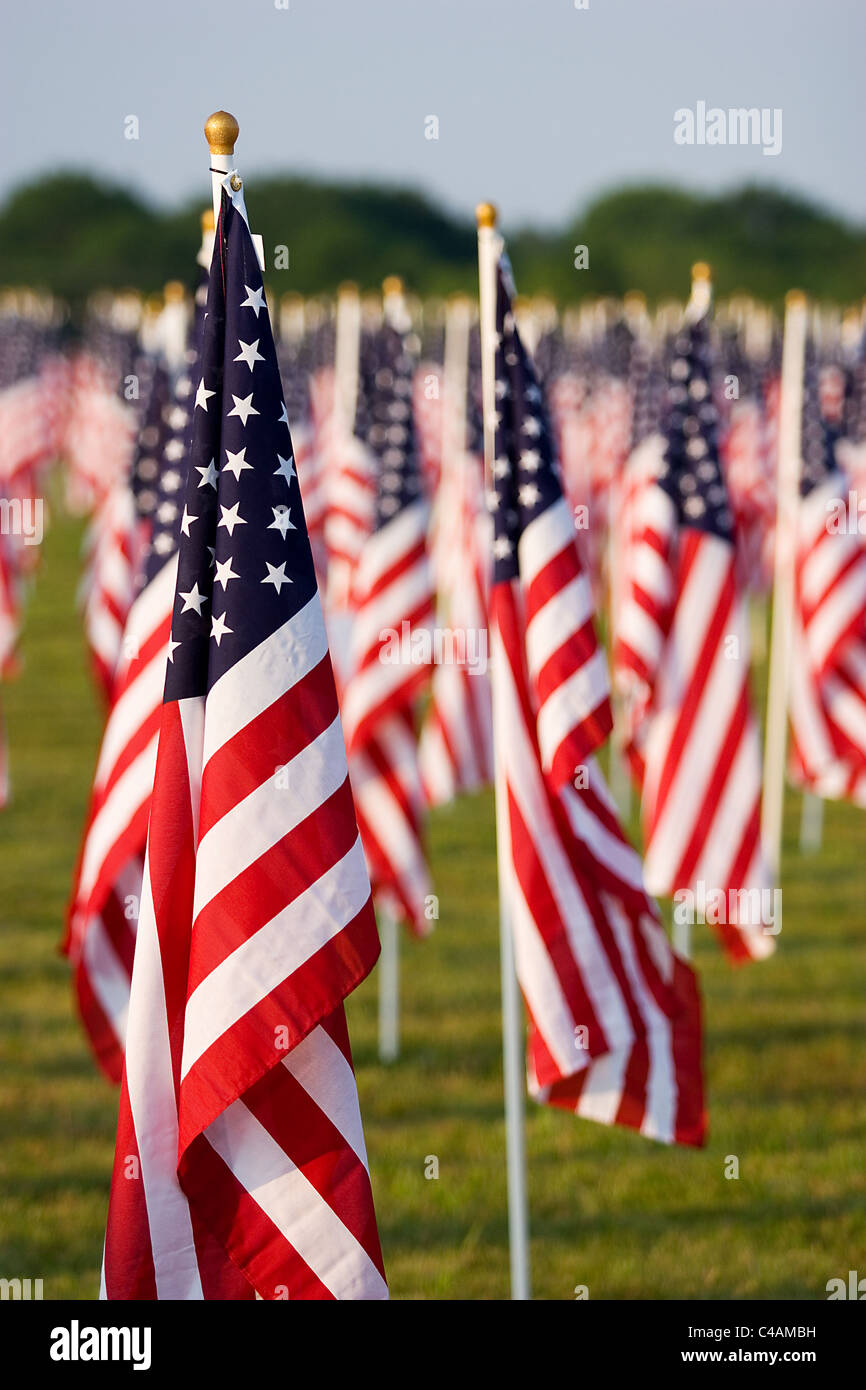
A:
[540,105]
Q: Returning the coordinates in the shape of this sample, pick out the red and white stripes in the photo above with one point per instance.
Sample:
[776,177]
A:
[239,1105]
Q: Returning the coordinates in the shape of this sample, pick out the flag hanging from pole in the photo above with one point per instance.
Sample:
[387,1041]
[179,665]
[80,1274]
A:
[683,657]
[240,1167]
[615,1031]
[827,697]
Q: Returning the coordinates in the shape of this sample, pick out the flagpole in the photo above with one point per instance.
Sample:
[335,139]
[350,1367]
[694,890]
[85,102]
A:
[811,823]
[489,246]
[221,131]
[787,483]
[388,971]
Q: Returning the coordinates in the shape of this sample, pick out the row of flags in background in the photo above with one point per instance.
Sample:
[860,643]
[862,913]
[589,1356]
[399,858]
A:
[235,844]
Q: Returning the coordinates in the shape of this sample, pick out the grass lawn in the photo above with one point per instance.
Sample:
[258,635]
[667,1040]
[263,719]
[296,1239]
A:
[785,1055]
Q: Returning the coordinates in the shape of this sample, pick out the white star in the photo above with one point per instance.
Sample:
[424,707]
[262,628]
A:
[208,475]
[218,628]
[230,518]
[277,576]
[286,469]
[249,353]
[284,419]
[282,521]
[528,495]
[502,548]
[236,463]
[185,520]
[172,648]
[202,394]
[171,481]
[532,426]
[174,449]
[224,572]
[501,468]
[243,407]
[530,459]
[193,599]
[255,300]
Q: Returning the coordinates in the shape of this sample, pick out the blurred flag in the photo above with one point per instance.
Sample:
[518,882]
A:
[391,644]
[456,745]
[615,1031]
[240,1167]
[103,914]
[683,656]
[827,697]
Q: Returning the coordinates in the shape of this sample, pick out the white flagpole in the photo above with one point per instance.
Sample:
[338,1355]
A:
[811,823]
[790,429]
[389,987]
[489,248]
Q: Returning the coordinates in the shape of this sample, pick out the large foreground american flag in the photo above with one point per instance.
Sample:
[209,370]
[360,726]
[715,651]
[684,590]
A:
[240,1167]
[615,1031]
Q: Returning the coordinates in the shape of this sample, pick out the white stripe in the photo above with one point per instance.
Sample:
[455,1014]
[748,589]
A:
[130,792]
[572,701]
[274,952]
[563,615]
[261,819]
[319,1065]
[545,537]
[106,976]
[263,675]
[294,1206]
[150,1083]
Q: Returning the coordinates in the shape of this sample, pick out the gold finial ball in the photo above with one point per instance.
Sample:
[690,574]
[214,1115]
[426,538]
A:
[221,131]
[392,284]
[486,215]
[207,222]
[634,299]
[348,289]
[795,299]
[174,292]
[700,271]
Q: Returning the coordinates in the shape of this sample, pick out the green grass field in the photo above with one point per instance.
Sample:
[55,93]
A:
[785,1056]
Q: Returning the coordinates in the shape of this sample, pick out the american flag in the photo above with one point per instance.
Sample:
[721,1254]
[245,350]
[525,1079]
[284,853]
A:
[614,1013]
[456,745]
[103,915]
[827,697]
[240,1166]
[393,609]
[683,640]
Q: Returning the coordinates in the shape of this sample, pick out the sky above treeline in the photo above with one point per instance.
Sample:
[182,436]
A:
[538,105]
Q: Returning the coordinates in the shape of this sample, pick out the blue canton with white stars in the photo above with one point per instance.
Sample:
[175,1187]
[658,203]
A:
[383,420]
[244,565]
[819,437]
[691,473]
[525,476]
